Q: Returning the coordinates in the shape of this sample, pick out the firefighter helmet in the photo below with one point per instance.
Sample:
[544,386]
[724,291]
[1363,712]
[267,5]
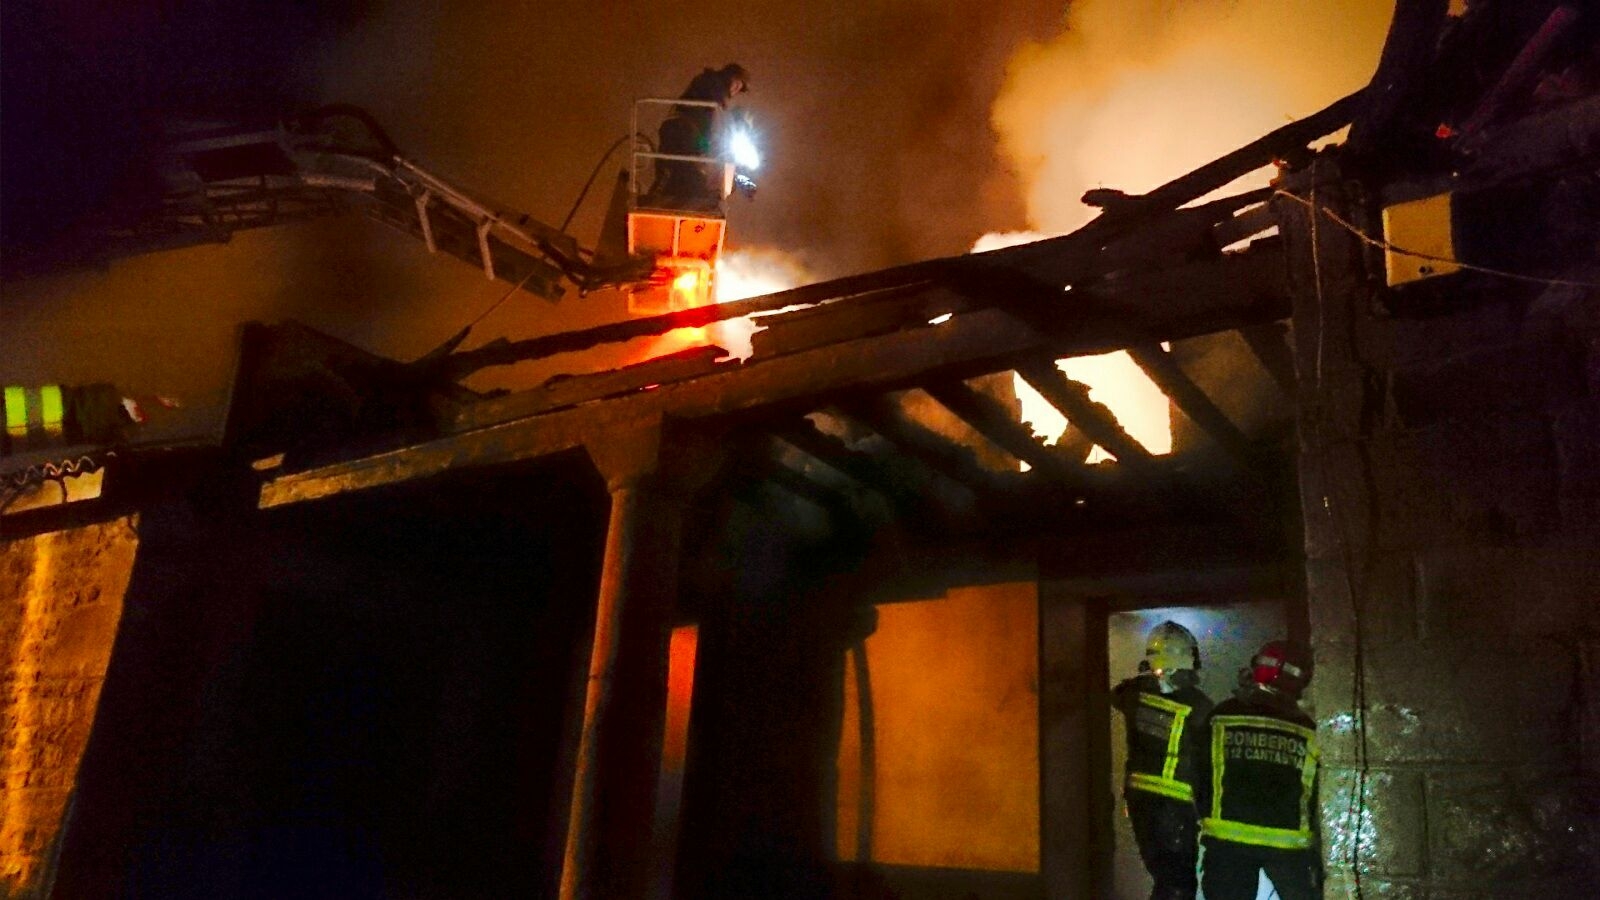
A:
[1170,647]
[1282,666]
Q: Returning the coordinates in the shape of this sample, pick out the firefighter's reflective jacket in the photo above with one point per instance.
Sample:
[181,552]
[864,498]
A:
[54,414]
[1166,741]
[1262,784]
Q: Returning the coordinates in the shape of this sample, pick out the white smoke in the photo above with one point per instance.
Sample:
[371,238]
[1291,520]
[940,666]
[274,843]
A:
[1135,92]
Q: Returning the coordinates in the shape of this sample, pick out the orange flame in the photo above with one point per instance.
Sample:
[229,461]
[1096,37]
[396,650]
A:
[739,274]
[1133,93]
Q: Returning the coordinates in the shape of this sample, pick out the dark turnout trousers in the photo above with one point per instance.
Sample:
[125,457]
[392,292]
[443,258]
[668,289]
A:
[1231,871]
[1167,834]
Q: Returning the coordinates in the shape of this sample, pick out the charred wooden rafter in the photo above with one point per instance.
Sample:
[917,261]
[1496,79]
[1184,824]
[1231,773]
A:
[1002,427]
[950,459]
[753,462]
[1270,344]
[1181,389]
[866,470]
[830,501]
[1096,420]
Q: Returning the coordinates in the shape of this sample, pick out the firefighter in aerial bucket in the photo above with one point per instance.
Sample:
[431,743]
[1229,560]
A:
[691,130]
[1258,799]
[1164,711]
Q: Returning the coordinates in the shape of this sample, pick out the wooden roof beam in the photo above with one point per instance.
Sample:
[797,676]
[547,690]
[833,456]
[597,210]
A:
[1181,389]
[1096,420]
[1270,344]
[863,468]
[999,425]
[948,458]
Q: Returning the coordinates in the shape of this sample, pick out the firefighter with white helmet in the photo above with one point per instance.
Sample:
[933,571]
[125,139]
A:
[1164,711]
[1258,801]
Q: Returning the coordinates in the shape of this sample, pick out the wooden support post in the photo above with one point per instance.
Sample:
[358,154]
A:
[612,828]
[1177,385]
[625,463]
[1076,801]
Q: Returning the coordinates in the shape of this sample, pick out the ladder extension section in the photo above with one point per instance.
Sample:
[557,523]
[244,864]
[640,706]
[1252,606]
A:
[219,181]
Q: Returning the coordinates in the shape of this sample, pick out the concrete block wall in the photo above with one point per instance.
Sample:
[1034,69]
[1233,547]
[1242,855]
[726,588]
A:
[61,599]
[1450,478]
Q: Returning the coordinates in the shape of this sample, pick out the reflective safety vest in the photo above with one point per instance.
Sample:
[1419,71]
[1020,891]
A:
[1160,723]
[35,416]
[1263,780]
[54,414]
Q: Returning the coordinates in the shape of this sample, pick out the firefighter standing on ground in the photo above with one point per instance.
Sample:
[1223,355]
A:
[1164,712]
[1258,803]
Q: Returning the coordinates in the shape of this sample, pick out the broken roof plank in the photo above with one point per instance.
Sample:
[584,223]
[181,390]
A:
[871,472]
[1097,421]
[944,455]
[1221,294]
[816,326]
[1181,389]
[564,390]
[890,282]
[1003,428]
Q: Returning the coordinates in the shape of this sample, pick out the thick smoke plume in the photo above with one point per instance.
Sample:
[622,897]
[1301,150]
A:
[1136,92]
[1133,93]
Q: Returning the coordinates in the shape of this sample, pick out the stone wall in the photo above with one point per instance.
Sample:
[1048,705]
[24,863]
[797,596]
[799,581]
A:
[1450,478]
[61,599]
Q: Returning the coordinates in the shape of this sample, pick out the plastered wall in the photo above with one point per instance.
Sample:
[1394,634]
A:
[61,599]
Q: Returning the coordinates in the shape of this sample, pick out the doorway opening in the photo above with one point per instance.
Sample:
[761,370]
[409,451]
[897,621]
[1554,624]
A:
[1228,634]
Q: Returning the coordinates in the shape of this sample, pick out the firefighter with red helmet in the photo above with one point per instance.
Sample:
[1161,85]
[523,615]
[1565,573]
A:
[1164,712]
[1258,804]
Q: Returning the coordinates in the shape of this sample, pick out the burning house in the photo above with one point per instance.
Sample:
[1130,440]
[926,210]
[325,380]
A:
[821,615]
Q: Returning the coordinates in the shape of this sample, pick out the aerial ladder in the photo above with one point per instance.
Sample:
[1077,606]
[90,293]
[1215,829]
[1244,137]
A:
[207,181]
[217,179]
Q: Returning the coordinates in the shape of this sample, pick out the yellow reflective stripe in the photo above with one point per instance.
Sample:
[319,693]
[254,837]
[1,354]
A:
[1255,835]
[1173,741]
[1171,706]
[16,412]
[1260,835]
[1218,742]
[1308,782]
[1166,787]
[53,409]
[1180,712]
